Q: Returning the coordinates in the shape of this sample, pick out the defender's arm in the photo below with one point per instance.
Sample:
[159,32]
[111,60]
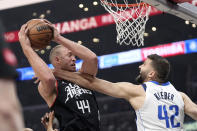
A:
[189,106]
[120,90]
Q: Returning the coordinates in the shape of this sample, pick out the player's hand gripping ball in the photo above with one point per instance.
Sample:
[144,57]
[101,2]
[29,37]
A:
[39,33]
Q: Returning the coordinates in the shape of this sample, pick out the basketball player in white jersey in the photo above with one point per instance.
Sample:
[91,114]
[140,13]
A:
[158,105]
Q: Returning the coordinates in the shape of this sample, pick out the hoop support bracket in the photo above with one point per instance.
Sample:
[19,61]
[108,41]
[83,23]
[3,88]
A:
[184,10]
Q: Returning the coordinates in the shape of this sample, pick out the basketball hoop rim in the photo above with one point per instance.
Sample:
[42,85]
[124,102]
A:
[123,5]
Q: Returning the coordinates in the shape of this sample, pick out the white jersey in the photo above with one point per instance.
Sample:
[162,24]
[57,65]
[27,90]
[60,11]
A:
[163,108]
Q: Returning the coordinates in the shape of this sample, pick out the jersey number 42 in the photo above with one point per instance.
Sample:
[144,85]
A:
[170,120]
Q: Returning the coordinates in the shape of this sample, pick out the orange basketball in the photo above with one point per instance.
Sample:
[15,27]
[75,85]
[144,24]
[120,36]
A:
[39,33]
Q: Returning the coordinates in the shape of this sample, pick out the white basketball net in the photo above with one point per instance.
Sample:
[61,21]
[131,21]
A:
[130,21]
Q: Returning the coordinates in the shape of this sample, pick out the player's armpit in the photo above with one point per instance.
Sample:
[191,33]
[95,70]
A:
[47,93]
[189,106]
[37,80]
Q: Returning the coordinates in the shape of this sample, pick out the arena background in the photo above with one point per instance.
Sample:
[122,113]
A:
[116,114]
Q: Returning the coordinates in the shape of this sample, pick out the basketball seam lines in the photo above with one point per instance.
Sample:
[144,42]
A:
[41,33]
[35,25]
[37,46]
[40,43]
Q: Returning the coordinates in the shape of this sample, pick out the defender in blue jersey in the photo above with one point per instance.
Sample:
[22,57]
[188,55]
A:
[158,105]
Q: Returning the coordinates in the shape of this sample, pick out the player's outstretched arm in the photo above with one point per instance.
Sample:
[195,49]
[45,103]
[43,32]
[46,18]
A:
[39,66]
[120,90]
[90,62]
[189,106]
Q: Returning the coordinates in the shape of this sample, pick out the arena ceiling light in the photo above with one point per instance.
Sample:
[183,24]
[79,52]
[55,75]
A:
[7,4]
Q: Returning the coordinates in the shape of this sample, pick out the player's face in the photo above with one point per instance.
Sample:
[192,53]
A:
[67,60]
[146,71]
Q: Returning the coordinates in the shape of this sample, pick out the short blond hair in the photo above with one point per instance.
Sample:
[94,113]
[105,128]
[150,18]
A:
[54,52]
